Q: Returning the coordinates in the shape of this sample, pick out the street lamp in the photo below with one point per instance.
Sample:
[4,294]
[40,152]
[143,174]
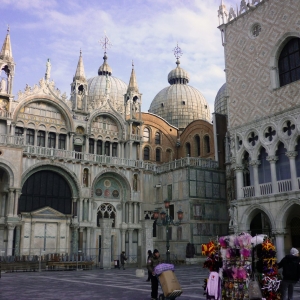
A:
[79,251]
[166,220]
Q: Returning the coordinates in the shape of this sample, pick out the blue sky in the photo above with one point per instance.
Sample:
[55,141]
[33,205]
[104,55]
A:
[141,30]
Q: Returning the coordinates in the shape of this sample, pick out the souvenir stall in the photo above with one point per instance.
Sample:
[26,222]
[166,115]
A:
[234,254]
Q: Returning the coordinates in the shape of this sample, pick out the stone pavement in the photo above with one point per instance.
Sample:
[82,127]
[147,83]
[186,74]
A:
[97,284]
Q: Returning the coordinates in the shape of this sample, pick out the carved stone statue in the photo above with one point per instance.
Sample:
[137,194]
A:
[48,69]
[3,86]
[233,215]
[79,100]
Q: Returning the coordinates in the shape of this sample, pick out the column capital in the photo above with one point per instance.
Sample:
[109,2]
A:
[10,226]
[291,154]
[239,168]
[254,163]
[278,232]
[272,158]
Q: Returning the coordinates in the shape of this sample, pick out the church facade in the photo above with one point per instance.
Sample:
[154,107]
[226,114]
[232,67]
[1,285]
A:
[86,173]
[262,64]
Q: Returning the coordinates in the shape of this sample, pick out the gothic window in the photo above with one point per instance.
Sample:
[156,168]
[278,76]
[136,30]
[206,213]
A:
[197,142]
[146,153]
[51,140]
[19,131]
[99,147]
[188,149]
[85,177]
[270,132]
[206,144]
[288,128]
[45,188]
[252,139]
[62,141]
[157,155]
[115,149]
[106,211]
[289,62]
[107,148]
[146,135]
[248,172]
[264,171]
[157,138]
[297,148]
[41,138]
[91,146]
[30,137]
[283,164]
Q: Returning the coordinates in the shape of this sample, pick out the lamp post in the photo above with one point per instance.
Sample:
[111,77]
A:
[40,260]
[167,221]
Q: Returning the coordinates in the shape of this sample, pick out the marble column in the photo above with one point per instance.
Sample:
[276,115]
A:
[273,159]
[11,201]
[124,212]
[80,210]
[67,142]
[90,210]
[10,239]
[75,239]
[105,259]
[46,139]
[130,231]
[87,144]
[130,150]
[129,212]
[74,207]
[13,128]
[32,230]
[239,181]
[71,141]
[56,140]
[17,240]
[35,137]
[123,233]
[292,157]
[134,212]
[95,146]
[17,196]
[80,244]
[88,241]
[84,210]
[147,238]
[279,236]
[255,164]
[110,149]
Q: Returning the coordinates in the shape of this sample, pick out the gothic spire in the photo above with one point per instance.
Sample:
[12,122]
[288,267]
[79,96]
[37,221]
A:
[6,52]
[80,75]
[133,86]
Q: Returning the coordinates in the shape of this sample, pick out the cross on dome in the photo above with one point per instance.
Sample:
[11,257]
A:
[105,42]
[177,52]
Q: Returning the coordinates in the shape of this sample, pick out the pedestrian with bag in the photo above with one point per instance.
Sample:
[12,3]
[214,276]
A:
[291,273]
[151,264]
[149,273]
[123,258]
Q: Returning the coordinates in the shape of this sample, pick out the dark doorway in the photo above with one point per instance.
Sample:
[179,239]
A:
[260,225]
[46,188]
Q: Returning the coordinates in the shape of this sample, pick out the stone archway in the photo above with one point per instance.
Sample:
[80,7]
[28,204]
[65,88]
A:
[260,224]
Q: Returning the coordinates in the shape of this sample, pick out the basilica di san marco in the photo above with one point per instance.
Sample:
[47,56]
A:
[86,173]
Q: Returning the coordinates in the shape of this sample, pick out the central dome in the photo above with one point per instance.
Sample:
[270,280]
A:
[180,104]
[97,87]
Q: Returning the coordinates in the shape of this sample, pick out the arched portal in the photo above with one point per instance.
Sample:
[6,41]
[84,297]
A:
[260,224]
[46,188]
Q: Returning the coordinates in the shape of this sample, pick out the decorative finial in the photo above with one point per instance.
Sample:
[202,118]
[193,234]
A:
[8,29]
[80,52]
[105,42]
[132,65]
[177,52]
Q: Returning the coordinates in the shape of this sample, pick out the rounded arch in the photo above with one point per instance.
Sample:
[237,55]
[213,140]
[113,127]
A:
[121,179]
[58,168]
[115,117]
[275,53]
[62,107]
[251,212]
[11,171]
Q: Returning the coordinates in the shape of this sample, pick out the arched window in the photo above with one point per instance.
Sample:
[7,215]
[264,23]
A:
[206,144]
[99,147]
[289,62]
[264,171]
[146,153]
[283,164]
[115,149]
[41,138]
[19,131]
[51,140]
[107,148]
[157,138]
[30,137]
[297,148]
[197,143]
[91,146]
[188,149]
[146,135]
[157,155]
[62,141]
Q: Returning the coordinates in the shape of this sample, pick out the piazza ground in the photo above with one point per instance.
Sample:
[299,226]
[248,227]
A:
[97,284]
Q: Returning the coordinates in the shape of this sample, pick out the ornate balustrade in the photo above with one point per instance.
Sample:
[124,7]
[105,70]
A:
[5,114]
[11,140]
[266,188]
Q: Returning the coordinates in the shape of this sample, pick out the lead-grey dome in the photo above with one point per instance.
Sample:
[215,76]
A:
[221,100]
[97,86]
[180,104]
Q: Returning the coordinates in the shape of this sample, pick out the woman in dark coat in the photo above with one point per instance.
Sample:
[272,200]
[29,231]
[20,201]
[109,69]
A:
[149,256]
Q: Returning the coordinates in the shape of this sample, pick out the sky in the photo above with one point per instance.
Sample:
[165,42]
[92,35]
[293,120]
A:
[140,30]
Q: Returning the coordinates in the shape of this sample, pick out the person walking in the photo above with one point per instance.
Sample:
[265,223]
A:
[291,273]
[123,258]
[151,264]
[149,273]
